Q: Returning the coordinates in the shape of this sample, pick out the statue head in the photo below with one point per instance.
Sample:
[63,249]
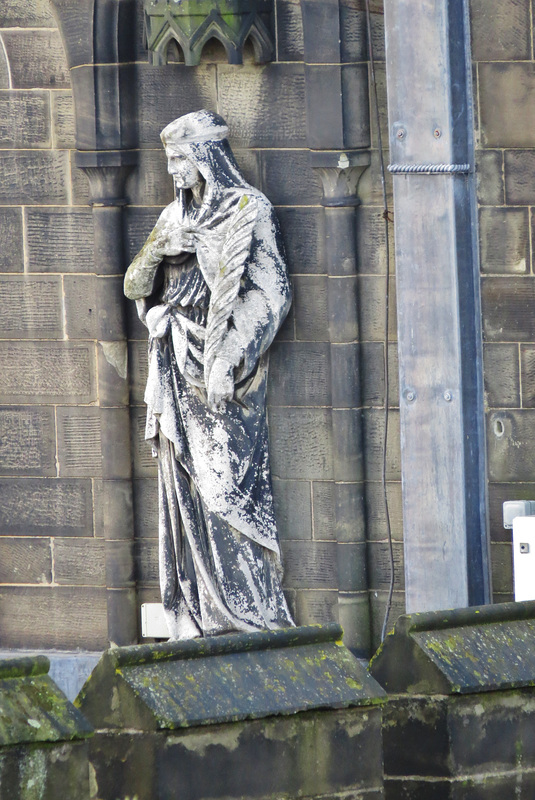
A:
[196,144]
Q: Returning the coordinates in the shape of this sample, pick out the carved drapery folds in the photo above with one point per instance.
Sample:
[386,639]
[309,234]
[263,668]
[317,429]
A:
[191,23]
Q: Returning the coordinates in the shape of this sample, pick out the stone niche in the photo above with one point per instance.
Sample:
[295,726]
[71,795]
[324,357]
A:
[192,23]
[460,721]
[268,715]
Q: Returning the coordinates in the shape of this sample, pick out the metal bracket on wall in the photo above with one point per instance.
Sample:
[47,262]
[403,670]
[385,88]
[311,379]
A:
[429,169]
[192,23]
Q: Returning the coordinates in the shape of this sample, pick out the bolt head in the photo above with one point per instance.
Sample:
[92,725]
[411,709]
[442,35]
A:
[437,133]
[401,133]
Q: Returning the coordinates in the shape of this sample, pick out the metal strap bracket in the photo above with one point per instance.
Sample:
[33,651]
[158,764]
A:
[428,169]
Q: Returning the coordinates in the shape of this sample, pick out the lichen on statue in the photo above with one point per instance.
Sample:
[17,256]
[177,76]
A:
[212,287]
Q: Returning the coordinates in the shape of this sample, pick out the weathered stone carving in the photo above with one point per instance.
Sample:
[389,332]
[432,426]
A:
[212,287]
[191,23]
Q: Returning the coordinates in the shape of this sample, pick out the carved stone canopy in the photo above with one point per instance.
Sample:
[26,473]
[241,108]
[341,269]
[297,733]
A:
[192,23]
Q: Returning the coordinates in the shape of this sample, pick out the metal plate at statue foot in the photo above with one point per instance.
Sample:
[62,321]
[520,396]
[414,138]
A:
[225,679]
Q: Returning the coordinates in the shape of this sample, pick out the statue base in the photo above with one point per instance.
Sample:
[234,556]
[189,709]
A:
[274,714]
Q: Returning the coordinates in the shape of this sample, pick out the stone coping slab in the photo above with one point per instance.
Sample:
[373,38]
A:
[225,679]
[32,708]
[459,651]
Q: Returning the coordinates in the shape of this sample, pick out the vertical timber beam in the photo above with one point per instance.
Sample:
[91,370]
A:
[97,36]
[439,339]
[338,135]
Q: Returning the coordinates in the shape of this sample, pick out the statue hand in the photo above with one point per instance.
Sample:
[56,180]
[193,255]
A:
[173,241]
[220,383]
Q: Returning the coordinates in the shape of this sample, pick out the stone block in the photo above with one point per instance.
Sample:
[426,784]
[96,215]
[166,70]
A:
[354,34]
[504,240]
[500,30]
[36,59]
[287,178]
[351,559]
[41,507]
[112,360]
[324,510]
[29,14]
[147,570]
[373,374]
[11,241]
[301,443]
[79,442]
[60,240]
[114,508]
[509,122]
[316,606]
[146,508]
[167,92]
[310,565]
[31,307]
[464,651]
[507,305]
[263,107]
[371,240]
[376,527]
[299,374]
[79,562]
[342,306]
[93,307]
[303,232]
[145,466]
[27,441]
[527,366]
[293,509]
[289,31]
[249,163]
[311,307]
[371,294]
[489,176]
[511,445]
[379,573]
[34,177]
[421,724]
[42,748]
[338,511]
[119,572]
[79,185]
[24,119]
[347,438]
[149,183]
[229,678]
[116,454]
[47,372]
[53,617]
[502,568]
[519,172]
[373,428]
[63,122]
[25,560]
[502,376]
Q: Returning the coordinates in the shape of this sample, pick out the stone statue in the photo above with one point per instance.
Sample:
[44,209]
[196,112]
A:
[211,285]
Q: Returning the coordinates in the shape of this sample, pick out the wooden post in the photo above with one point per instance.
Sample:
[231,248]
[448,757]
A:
[439,339]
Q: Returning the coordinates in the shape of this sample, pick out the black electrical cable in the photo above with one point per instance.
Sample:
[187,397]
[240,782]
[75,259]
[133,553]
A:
[386,218]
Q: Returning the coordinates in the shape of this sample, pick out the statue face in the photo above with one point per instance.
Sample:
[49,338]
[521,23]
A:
[185,173]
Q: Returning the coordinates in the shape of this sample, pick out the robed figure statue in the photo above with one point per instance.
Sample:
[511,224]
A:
[212,287]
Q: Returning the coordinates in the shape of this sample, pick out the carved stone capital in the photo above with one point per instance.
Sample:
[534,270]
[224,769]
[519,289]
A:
[340,173]
[106,171]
